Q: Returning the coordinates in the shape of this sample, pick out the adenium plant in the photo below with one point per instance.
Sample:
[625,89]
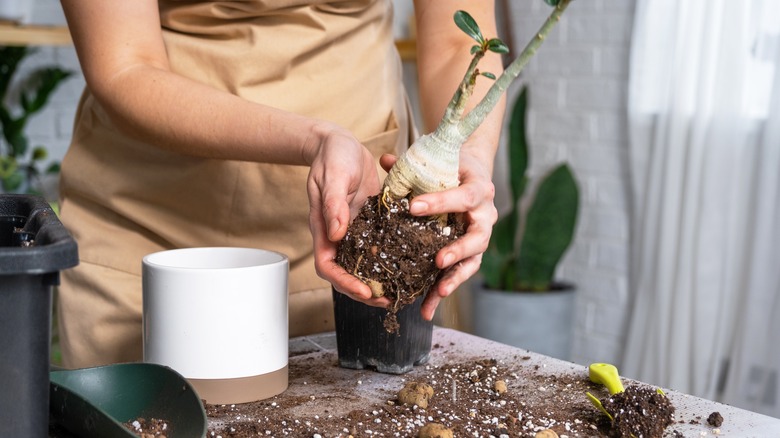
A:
[431,164]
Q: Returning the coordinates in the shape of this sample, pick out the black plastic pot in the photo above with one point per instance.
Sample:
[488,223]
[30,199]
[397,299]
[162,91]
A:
[363,342]
[34,247]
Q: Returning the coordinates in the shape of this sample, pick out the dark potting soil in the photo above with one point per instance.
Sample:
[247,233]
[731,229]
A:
[639,411]
[149,428]
[394,252]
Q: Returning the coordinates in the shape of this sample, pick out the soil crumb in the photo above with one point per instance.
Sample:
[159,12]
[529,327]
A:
[394,252]
[715,419]
[153,428]
[639,411]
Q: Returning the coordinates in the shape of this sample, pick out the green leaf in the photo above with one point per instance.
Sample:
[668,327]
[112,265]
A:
[487,74]
[475,49]
[5,117]
[552,2]
[43,83]
[497,262]
[496,270]
[518,146]
[53,168]
[502,240]
[10,58]
[7,166]
[16,138]
[549,229]
[13,132]
[497,46]
[12,182]
[467,24]
[39,153]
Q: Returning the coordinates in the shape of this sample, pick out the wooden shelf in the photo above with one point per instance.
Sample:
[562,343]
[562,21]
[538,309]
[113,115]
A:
[13,34]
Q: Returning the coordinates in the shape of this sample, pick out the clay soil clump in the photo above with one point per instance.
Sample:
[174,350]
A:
[394,252]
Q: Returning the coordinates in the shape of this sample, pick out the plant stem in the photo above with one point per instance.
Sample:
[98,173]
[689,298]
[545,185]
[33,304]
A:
[475,118]
[456,106]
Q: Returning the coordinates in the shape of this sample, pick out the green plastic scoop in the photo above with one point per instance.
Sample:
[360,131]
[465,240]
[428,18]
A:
[96,402]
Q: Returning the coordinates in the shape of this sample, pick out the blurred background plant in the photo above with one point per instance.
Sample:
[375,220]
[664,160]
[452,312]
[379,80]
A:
[529,263]
[22,165]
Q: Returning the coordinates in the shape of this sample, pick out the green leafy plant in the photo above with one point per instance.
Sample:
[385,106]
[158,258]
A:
[21,164]
[529,263]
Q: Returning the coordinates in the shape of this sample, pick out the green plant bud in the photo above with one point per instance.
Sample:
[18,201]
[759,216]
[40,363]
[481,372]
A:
[39,153]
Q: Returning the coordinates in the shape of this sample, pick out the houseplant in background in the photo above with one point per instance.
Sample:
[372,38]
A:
[518,300]
[21,166]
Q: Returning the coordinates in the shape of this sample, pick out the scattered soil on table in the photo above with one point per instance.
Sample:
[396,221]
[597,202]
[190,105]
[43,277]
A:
[152,428]
[480,397]
[394,252]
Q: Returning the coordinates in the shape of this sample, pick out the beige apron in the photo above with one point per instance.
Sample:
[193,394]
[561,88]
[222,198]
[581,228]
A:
[123,198]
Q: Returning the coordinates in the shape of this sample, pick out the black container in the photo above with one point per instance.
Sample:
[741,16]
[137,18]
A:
[363,342]
[34,247]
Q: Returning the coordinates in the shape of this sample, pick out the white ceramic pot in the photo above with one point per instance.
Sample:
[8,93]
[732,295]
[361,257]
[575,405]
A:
[218,316]
[541,322]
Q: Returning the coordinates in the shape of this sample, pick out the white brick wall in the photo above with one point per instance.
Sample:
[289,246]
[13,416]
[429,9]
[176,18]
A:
[577,102]
[577,84]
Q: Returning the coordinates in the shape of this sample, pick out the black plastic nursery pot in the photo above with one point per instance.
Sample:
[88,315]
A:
[362,341]
[34,248]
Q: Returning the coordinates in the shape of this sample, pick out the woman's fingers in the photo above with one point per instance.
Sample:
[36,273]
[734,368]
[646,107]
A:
[387,161]
[478,211]
[449,282]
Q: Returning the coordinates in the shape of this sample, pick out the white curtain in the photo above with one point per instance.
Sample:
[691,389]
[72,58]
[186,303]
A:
[704,113]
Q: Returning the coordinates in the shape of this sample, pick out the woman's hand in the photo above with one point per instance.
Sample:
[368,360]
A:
[342,176]
[474,199]
[441,61]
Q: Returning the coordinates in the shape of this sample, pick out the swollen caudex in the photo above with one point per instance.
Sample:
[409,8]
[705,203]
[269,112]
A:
[430,165]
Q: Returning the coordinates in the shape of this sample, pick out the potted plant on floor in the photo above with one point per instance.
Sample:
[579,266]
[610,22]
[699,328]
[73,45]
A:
[392,251]
[519,301]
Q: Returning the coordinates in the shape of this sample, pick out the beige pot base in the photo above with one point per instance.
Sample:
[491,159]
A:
[242,389]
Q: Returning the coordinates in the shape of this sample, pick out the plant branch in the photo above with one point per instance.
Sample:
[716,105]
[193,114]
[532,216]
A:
[455,109]
[472,120]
